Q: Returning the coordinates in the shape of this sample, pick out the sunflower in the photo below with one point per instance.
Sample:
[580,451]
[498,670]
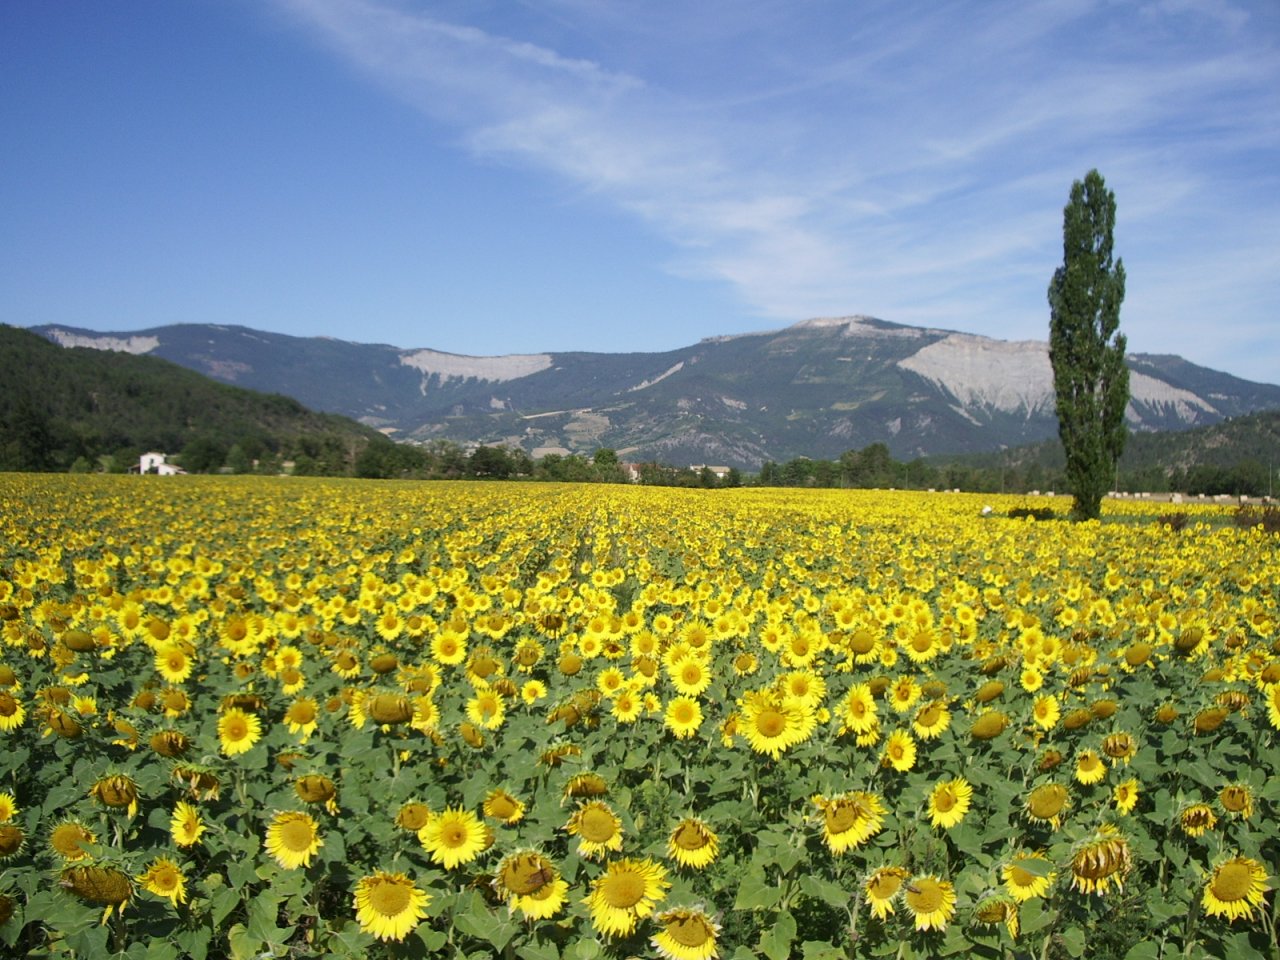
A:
[502,806]
[1272,691]
[882,888]
[1125,795]
[1197,819]
[849,819]
[1090,768]
[186,826]
[487,708]
[858,711]
[690,675]
[1101,861]
[1237,800]
[627,706]
[693,844]
[293,839]
[931,720]
[899,751]
[949,802]
[454,837]
[1235,889]
[772,724]
[685,933]
[598,829]
[388,905]
[164,878]
[932,901]
[173,663]
[69,839]
[301,717]
[624,894]
[531,884]
[683,717]
[989,725]
[1047,803]
[1045,711]
[238,731]
[1028,875]
[903,693]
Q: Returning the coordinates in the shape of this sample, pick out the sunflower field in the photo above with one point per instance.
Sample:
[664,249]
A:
[247,717]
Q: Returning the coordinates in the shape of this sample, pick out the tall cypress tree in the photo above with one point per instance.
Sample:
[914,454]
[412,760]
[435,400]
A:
[1090,379]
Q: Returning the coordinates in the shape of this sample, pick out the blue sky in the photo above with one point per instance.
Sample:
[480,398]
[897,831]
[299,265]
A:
[503,177]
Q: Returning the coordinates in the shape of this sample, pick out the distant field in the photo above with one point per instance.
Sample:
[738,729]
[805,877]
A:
[281,717]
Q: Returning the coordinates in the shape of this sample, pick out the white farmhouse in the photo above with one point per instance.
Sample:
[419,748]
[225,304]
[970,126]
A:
[152,462]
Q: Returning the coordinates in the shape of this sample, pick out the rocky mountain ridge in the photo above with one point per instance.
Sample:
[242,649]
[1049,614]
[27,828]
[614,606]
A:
[816,388]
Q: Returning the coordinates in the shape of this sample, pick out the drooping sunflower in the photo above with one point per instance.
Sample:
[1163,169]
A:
[413,816]
[12,712]
[850,819]
[882,888]
[931,900]
[996,909]
[12,840]
[186,826]
[1101,862]
[293,838]
[388,905]
[1197,819]
[624,894]
[949,802]
[1235,889]
[164,878]
[683,717]
[116,791]
[99,884]
[1236,800]
[598,829]
[899,751]
[502,806]
[1047,803]
[693,844]
[238,731]
[1028,875]
[454,837]
[686,933]
[530,883]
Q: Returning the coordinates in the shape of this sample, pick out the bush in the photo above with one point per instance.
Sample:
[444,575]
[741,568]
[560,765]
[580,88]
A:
[1268,518]
[1035,513]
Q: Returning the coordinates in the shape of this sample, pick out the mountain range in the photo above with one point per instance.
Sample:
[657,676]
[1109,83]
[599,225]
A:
[816,388]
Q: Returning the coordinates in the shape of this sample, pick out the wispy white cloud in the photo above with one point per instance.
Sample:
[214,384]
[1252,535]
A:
[910,159]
